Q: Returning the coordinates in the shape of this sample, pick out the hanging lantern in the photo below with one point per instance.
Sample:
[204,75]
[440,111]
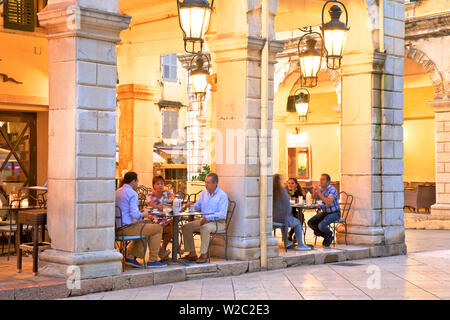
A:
[194,16]
[334,34]
[302,103]
[199,75]
[310,57]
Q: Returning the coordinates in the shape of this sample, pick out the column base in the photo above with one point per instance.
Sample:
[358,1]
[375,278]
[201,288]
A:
[440,212]
[244,249]
[94,264]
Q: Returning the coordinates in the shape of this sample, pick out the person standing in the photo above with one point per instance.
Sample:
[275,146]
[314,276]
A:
[330,210]
[132,223]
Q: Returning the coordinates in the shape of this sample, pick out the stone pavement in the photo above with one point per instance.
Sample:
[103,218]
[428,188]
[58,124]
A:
[421,275]
[26,286]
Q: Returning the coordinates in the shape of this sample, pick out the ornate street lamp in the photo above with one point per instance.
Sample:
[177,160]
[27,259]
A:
[199,75]
[310,57]
[334,33]
[194,16]
[302,103]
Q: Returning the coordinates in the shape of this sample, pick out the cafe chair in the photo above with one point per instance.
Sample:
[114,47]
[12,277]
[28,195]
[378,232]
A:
[282,227]
[223,233]
[125,240]
[346,201]
[143,192]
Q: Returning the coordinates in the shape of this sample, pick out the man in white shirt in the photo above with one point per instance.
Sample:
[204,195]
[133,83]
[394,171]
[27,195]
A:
[213,203]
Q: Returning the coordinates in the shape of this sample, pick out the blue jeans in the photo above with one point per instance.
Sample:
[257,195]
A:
[297,226]
[320,222]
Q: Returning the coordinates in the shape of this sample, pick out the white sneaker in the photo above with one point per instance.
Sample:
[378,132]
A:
[303,247]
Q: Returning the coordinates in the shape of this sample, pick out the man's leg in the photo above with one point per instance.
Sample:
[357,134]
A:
[153,232]
[313,223]
[188,236]
[323,226]
[205,233]
[154,236]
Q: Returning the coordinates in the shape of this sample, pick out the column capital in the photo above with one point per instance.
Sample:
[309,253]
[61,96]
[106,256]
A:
[440,105]
[136,92]
[73,20]
[238,47]
[363,62]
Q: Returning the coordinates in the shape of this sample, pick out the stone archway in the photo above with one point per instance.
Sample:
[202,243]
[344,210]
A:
[429,66]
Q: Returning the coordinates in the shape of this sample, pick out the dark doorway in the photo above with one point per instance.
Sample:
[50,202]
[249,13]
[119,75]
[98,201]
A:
[17,152]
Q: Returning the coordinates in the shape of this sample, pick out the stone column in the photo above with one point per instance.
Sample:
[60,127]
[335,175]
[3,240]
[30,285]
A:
[136,130]
[237,111]
[372,150]
[81,166]
[441,210]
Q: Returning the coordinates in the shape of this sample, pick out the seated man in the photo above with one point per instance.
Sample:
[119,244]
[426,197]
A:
[213,202]
[127,200]
[331,211]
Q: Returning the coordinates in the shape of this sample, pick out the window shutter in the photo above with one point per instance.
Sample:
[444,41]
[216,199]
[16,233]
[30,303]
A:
[19,15]
[169,67]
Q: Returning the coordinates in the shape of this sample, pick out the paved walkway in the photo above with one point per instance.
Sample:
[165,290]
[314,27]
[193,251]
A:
[423,274]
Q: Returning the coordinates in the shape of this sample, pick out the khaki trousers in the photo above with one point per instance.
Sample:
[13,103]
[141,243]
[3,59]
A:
[153,232]
[205,232]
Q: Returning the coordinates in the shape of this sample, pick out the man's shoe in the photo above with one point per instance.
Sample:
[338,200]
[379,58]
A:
[164,255]
[289,244]
[203,258]
[155,264]
[133,263]
[303,247]
[190,257]
[328,241]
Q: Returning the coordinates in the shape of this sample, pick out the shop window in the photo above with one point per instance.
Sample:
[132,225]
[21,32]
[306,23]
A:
[169,66]
[299,163]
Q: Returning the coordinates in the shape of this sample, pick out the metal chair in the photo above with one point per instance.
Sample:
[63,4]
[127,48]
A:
[346,204]
[282,227]
[223,233]
[346,201]
[193,197]
[124,240]
[142,192]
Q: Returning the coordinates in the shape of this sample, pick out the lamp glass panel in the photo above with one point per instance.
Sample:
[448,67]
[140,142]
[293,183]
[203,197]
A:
[199,83]
[310,65]
[302,108]
[195,21]
[335,41]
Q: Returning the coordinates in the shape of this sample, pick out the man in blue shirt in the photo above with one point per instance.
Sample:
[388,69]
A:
[213,203]
[330,210]
[132,224]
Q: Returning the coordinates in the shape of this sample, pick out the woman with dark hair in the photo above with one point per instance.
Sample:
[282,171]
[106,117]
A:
[295,191]
[282,213]
[156,200]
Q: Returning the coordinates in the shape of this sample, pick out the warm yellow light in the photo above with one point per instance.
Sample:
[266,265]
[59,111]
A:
[310,66]
[302,108]
[195,21]
[199,83]
[335,42]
